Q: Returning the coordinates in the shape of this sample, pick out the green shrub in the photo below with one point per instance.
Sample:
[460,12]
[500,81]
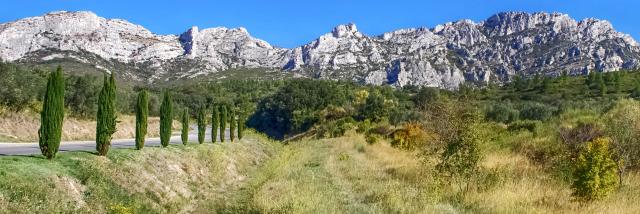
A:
[622,124]
[343,156]
[529,125]
[20,88]
[360,147]
[375,108]
[595,171]
[536,111]
[503,112]
[372,138]
[426,96]
[462,153]
[363,126]
[336,128]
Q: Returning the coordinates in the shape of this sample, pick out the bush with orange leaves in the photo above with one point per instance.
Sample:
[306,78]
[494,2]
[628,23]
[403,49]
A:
[411,136]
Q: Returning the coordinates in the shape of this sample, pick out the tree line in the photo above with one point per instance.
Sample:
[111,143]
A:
[52,116]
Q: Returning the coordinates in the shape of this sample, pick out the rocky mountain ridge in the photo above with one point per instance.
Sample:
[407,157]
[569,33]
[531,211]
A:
[504,45]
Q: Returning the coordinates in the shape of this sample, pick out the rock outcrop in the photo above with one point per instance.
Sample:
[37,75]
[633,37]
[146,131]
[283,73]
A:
[505,45]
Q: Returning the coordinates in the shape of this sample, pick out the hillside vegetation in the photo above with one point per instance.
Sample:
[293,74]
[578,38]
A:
[255,175]
[565,144]
[179,179]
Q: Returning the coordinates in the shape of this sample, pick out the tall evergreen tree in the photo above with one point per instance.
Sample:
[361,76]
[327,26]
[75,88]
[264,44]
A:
[215,122]
[241,121]
[185,126]
[52,115]
[142,113]
[223,121]
[106,119]
[166,119]
[202,125]
[232,124]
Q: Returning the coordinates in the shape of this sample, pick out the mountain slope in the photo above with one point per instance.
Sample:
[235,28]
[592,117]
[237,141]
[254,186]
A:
[504,45]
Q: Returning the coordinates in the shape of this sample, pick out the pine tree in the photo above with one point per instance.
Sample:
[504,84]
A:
[215,122]
[52,115]
[185,126]
[223,122]
[106,119]
[142,113]
[240,125]
[232,124]
[166,119]
[202,125]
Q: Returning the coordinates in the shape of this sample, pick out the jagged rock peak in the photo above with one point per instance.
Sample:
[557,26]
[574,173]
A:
[347,30]
[504,45]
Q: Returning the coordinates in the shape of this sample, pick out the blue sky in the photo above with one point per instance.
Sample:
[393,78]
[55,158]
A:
[289,23]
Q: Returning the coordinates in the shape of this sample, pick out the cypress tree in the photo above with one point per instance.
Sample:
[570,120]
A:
[202,125]
[232,124]
[240,125]
[142,112]
[106,119]
[185,126]
[214,124]
[223,122]
[166,119]
[52,115]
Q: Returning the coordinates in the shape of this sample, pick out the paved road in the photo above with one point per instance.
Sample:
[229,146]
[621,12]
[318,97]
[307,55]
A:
[34,149]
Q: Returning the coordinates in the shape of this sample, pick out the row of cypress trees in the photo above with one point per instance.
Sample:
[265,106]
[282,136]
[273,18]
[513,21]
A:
[166,120]
[220,117]
[52,117]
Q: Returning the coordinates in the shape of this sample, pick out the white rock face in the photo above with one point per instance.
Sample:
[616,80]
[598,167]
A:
[504,45]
